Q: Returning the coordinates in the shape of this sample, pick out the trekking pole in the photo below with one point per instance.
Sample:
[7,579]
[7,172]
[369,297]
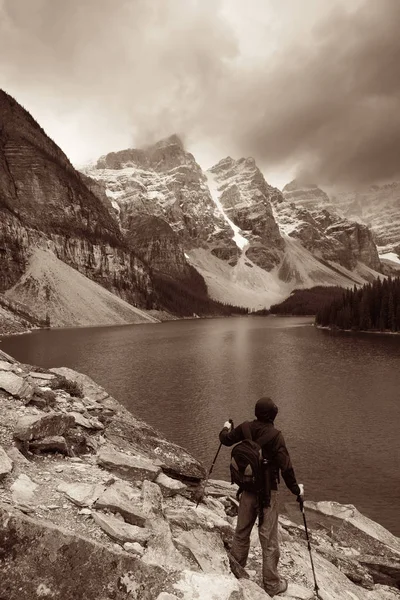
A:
[211,468]
[316,588]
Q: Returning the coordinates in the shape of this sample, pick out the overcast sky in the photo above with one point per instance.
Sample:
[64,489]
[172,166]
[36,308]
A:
[307,87]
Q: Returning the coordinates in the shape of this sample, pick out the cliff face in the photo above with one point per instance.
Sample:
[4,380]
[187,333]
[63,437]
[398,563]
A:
[246,199]
[96,504]
[163,181]
[307,214]
[378,207]
[44,202]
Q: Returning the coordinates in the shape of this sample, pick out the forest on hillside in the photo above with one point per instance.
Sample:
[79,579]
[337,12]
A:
[306,302]
[373,307]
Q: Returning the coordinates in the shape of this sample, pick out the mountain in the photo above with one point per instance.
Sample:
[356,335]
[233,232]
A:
[44,202]
[323,230]
[378,207]
[308,195]
[151,227]
[250,244]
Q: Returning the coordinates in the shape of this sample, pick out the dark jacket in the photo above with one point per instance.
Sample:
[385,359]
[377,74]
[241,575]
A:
[274,450]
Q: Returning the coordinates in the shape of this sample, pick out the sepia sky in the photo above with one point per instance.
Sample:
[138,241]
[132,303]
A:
[307,87]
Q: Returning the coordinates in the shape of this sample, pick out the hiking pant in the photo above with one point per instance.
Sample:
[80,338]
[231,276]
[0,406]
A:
[268,534]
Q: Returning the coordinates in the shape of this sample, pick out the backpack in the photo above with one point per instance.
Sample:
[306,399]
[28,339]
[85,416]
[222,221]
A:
[248,466]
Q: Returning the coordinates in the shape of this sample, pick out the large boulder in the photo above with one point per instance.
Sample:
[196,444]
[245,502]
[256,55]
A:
[23,490]
[6,464]
[349,514]
[81,494]
[207,548]
[169,486]
[33,427]
[120,531]
[121,498]
[40,560]
[15,385]
[132,468]
[54,443]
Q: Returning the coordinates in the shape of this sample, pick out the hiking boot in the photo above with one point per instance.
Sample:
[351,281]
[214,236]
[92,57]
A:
[280,589]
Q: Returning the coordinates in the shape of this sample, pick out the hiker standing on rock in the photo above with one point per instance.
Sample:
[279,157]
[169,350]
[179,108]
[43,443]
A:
[255,466]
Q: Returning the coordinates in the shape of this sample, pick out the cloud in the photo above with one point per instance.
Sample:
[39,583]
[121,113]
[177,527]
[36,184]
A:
[317,88]
[331,104]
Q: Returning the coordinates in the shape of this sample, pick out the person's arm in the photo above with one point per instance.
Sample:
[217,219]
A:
[229,436]
[285,465]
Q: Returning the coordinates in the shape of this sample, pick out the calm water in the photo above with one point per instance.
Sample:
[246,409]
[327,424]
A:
[338,395]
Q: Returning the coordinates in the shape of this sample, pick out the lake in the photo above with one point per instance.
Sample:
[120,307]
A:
[338,394]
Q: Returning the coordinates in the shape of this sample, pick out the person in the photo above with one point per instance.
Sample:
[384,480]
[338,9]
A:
[275,451]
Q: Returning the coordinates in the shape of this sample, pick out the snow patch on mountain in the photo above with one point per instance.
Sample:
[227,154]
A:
[391,256]
[240,241]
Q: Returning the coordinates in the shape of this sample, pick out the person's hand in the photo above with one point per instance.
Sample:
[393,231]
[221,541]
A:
[227,425]
[300,497]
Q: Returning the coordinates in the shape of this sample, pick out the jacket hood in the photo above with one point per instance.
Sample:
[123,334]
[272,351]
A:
[266,410]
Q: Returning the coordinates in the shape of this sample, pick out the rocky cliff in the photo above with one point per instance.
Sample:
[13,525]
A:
[306,213]
[95,504]
[45,203]
[379,208]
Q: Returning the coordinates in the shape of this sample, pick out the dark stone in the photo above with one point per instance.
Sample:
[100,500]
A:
[36,556]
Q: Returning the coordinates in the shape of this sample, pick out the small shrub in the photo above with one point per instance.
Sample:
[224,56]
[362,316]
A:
[71,387]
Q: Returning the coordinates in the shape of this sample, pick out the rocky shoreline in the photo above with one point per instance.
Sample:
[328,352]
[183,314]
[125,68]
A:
[97,505]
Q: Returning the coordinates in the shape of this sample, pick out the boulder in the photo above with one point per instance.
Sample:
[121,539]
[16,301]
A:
[40,379]
[90,388]
[91,423]
[187,516]
[169,486]
[120,531]
[16,456]
[23,490]
[297,592]
[152,499]
[207,586]
[54,443]
[161,549]
[132,468]
[15,385]
[34,427]
[116,499]
[6,464]
[252,591]
[349,514]
[207,548]
[41,560]
[134,548]
[219,488]
[41,376]
[6,366]
[81,494]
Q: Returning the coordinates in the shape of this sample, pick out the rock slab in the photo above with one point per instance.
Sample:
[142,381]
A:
[15,385]
[6,464]
[133,468]
[120,531]
[34,427]
[116,500]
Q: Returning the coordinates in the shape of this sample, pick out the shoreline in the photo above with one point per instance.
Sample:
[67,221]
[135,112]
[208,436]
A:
[369,331]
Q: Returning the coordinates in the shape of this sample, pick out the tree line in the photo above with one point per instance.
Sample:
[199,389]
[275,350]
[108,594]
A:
[373,307]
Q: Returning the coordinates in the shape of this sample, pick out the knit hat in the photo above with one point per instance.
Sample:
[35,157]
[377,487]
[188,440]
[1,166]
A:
[266,410]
